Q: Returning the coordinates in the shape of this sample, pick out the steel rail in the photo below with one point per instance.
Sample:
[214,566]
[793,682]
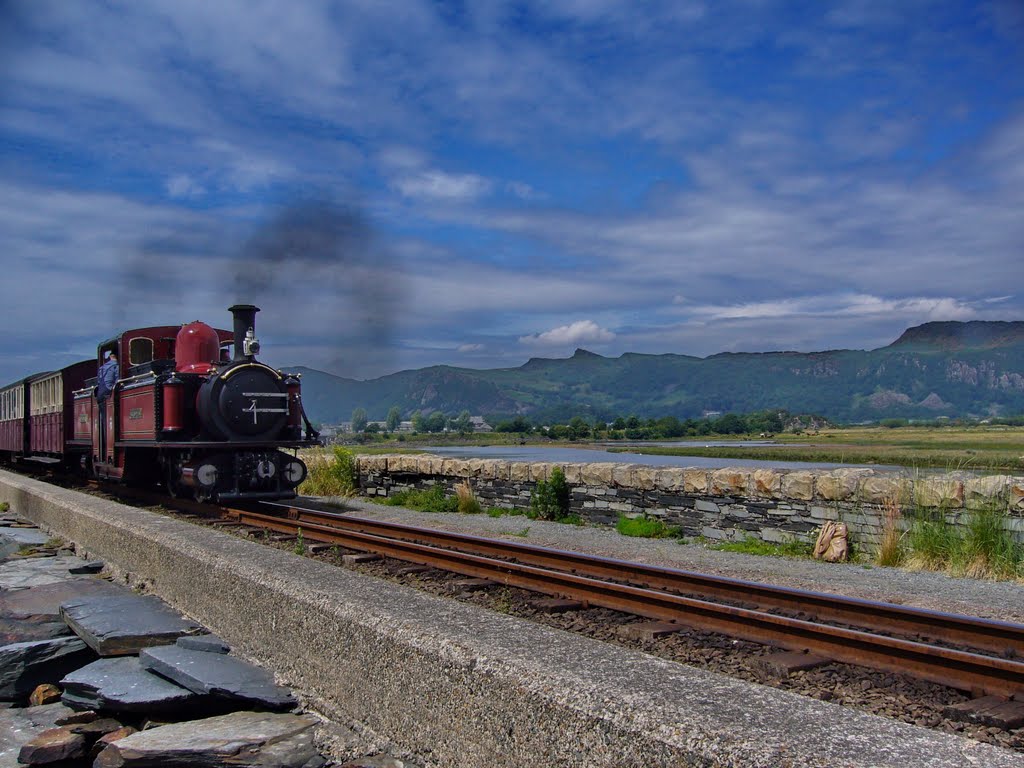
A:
[998,637]
[954,668]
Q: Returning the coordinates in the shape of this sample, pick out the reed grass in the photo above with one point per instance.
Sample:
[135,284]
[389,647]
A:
[468,504]
[330,473]
[890,549]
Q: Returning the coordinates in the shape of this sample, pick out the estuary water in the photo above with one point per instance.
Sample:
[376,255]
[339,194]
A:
[562,454]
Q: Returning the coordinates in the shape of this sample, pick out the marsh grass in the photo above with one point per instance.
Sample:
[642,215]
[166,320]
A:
[330,473]
[950,448]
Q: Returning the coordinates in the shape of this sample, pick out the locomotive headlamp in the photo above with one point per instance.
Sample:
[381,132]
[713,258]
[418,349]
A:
[250,345]
[206,475]
[294,472]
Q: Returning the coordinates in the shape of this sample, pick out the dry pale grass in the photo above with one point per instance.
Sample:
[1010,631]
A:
[890,548]
[468,504]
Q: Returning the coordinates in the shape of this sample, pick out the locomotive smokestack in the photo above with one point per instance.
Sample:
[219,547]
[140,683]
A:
[246,344]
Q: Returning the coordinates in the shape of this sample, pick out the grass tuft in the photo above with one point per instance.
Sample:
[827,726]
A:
[468,504]
[890,548]
[4,506]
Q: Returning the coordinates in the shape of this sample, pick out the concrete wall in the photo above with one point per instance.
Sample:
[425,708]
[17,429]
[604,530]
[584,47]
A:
[731,503]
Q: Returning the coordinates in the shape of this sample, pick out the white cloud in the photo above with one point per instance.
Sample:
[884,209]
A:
[441,186]
[580,332]
[470,348]
[841,305]
[523,191]
[183,185]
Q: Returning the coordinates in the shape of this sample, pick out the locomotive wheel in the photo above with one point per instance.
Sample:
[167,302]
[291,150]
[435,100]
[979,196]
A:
[171,482]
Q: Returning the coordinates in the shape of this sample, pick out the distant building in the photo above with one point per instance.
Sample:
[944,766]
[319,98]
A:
[479,425]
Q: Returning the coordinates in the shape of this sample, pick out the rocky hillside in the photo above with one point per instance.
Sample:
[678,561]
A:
[936,369]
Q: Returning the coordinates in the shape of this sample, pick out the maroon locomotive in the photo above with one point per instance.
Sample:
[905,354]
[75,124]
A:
[193,410]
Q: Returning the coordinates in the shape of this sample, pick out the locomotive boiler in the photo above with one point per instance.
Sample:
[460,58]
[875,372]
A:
[193,409]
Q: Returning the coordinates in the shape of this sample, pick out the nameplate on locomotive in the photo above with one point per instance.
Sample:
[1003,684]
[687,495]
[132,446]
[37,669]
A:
[135,413]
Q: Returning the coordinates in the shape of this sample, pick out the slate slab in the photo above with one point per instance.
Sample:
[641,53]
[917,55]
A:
[45,601]
[52,746]
[27,630]
[222,676]
[13,539]
[23,666]
[28,537]
[20,726]
[125,624]
[208,643]
[93,566]
[258,739]
[120,684]
[37,571]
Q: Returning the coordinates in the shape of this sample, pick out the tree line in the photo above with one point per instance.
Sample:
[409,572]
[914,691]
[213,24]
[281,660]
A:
[666,427]
[435,421]
[580,428]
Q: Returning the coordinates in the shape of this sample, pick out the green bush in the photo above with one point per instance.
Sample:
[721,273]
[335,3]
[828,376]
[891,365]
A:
[550,498]
[4,506]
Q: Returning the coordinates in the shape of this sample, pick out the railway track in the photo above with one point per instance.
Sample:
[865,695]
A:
[981,656]
[972,654]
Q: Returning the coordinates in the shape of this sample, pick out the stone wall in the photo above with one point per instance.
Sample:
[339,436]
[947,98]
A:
[731,503]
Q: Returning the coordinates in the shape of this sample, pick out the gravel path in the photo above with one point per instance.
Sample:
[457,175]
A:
[997,600]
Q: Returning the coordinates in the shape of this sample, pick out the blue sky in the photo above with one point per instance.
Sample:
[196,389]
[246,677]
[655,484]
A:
[399,184]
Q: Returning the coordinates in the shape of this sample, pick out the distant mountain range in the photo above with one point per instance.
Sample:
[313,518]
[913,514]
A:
[936,369]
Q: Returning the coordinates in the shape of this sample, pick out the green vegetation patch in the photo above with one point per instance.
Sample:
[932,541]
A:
[645,527]
[980,548]
[432,499]
[4,506]
[752,546]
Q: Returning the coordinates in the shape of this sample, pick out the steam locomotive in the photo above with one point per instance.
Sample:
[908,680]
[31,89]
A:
[193,410]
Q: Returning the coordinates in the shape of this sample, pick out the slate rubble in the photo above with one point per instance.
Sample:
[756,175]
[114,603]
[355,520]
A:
[105,716]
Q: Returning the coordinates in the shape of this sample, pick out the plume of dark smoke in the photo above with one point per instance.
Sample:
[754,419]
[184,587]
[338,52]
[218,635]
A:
[320,262]
[315,266]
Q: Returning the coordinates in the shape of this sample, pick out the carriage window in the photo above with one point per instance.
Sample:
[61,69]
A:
[140,351]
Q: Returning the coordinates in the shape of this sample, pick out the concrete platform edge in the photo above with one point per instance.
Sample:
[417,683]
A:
[460,686]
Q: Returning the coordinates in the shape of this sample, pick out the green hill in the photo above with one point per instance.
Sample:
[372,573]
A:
[937,369]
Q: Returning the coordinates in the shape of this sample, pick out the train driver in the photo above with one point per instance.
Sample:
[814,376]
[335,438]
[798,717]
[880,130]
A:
[105,381]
